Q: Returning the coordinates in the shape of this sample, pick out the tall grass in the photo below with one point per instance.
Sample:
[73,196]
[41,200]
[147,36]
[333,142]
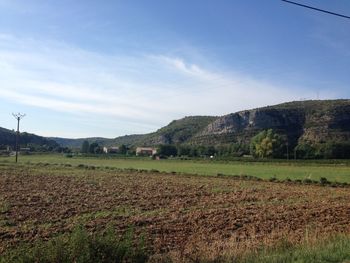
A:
[335,249]
[324,250]
[80,247]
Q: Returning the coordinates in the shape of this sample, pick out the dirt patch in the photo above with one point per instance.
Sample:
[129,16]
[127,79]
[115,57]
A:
[174,212]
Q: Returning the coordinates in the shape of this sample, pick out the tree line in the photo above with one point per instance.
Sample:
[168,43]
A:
[266,144]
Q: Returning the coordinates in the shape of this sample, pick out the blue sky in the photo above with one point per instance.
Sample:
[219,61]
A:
[109,68]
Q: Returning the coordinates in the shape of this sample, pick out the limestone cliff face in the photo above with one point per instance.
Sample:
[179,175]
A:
[243,125]
[313,121]
[258,119]
[332,124]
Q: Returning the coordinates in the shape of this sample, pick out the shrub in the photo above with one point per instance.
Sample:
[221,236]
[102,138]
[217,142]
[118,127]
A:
[324,181]
[273,179]
[307,181]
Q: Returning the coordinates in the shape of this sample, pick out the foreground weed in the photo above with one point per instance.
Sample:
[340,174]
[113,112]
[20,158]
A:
[335,249]
[4,207]
[81,247]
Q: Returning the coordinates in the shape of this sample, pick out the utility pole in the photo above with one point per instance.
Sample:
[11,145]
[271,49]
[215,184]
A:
[18,117]
[287,151]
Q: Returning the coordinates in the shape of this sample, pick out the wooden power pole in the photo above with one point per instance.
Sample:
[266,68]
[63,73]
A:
[18,117]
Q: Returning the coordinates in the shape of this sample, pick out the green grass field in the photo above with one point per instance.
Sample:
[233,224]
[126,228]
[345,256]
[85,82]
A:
[265,170]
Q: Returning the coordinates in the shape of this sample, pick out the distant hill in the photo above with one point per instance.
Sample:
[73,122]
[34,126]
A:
[314,121]
[177,131]
[130,140]
[8,137]
[76,143]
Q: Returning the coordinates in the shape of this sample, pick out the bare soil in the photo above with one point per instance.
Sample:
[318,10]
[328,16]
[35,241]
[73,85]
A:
[176,213]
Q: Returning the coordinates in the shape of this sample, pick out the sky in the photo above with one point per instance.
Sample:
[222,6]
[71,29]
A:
[88,68]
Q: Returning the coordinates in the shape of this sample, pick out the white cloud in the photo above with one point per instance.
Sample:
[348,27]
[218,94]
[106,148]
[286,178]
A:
[145,89]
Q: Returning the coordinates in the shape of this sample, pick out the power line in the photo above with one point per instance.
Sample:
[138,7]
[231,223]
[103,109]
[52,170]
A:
[18,117]
[317,9]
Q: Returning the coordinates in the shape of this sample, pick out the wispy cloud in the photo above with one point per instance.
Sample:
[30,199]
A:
[149,89]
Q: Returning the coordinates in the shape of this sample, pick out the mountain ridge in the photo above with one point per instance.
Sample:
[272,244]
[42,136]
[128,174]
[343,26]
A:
[310,121]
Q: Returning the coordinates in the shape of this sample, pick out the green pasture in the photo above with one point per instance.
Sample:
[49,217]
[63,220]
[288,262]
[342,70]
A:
[281,170]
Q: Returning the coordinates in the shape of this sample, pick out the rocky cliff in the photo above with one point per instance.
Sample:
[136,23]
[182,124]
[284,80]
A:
[300,121]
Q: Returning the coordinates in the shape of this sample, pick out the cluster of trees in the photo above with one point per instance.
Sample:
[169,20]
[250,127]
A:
[328,150]
[269,144]
[33,147]
[266,144]
[46,148]
[235,149]
[93,148]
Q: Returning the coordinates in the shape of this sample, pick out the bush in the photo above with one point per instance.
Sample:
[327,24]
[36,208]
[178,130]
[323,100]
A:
[273,179]
[307,181]
[324,181]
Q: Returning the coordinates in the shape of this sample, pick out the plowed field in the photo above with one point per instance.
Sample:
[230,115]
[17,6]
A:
[176,213]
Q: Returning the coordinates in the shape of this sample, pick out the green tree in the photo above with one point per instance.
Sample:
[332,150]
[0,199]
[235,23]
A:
[85,147]
[167,150]
[305,151]
[123,149]
[194,151]
[331,150]
[184,150]
[95,148]
[267,144]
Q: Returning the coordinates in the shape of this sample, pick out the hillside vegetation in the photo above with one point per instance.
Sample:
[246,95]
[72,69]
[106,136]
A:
[8,138]
[178,131]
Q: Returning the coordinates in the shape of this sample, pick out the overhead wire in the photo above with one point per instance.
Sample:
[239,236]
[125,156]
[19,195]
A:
[316,9]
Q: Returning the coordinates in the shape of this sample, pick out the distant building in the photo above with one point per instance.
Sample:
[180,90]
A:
[145,151]
[114,149]
[5,150]
[24,150]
